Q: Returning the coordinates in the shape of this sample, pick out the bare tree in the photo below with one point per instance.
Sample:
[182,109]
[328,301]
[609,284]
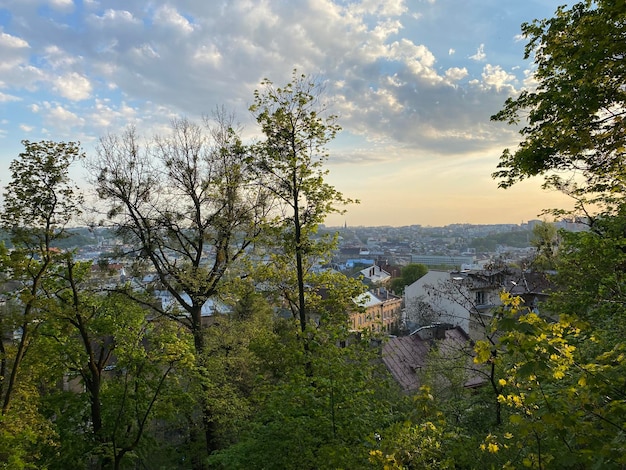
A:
[189,204]
[419,312]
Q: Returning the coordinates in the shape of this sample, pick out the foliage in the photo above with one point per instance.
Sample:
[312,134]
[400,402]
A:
[561,390]
[39,202]
[408,275]
[517,239]
[411,446]
[320,413]
[546,242]
[290,164]
[178,197]
[573,120]
[189,205]
[235,346]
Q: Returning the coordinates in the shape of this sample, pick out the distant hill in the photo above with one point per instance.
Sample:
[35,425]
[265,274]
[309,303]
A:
[80,236]
[517,239]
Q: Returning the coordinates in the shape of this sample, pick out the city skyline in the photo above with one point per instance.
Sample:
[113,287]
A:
[413,84]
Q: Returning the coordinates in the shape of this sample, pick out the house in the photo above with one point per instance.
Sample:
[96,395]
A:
[468,298]
[381,314]
[210,308]
[374,275]
[436,297]
[406,357]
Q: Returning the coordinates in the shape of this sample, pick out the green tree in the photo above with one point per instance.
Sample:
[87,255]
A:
[39,203]
[561,391]
[315,407]
[119,354]
[408,275]
[546,242]
[573,120]
[561,385]
[236,346]
[320,414]
[290,163]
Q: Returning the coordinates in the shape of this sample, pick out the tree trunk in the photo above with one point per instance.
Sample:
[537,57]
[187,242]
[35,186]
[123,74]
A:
[208,425]
[19,355]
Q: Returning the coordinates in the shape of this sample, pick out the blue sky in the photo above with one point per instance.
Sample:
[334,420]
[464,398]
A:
[413,81]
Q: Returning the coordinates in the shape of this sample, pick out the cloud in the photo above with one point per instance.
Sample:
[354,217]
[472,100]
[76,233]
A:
[480,54]
[378,7]
[456,73]
[495,76]
[61,118]
[111,16]
[14,52]
[11,42]
[388,86]
[63,5]
[5,98]
[73,86]
[168,16]
[57,58]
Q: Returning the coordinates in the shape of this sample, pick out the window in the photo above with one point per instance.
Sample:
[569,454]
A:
[480,297]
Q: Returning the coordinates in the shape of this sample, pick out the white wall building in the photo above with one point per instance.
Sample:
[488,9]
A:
[437,297]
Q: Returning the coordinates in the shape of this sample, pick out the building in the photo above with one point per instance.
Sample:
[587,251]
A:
[468,298]
[381,314]
[436,297]
[407,357]
[453,261]
[374,275]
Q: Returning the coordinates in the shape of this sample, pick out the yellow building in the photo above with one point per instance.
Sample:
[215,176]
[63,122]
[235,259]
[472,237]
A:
[382,312]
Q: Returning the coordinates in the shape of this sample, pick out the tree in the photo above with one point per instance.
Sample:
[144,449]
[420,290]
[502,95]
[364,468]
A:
[119,353]
[320,414]
[561,382]
[408,275]
[546,242]
[573,120]
[419,312]
[39,203]
[291,164]
[190,206]
[236,345]
[560,388]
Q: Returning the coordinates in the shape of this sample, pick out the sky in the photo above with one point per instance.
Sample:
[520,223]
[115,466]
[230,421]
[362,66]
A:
[414,83]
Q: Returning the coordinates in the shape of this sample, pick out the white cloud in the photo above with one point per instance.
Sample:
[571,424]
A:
[186,57]
[480,54]
[456,73]
[11,42]
[496,77]
[63,5]
[168,16]
[114,17]
[63,118]
[146,51]
[58,58]
[73,86]
[106,115]
[13,50]
[378,7]
[26,127]
[208,54]
[5,98]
